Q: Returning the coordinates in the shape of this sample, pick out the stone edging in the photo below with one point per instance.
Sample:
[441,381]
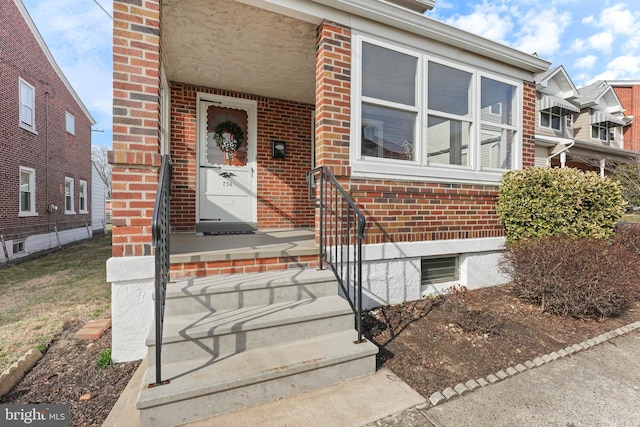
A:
[15,372]
[460,389]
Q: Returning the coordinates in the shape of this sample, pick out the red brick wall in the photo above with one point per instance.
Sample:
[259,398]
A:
[136,120]
[528,125]
[333,97]
[630,100]
[405,211]
[52,151]
[281,185]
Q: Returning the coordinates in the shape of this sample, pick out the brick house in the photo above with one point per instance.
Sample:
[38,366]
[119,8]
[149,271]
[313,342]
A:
[45,144]
[583,127]
[416,120]
[628,92]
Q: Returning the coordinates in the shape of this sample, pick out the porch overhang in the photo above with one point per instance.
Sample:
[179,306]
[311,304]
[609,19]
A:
[267,47]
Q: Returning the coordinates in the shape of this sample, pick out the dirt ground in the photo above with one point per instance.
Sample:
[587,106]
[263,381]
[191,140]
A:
[68,374]
[422,342]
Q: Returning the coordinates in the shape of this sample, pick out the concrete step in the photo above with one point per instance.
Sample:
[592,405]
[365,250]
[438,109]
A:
[242,290]
[205,388]
[201,335]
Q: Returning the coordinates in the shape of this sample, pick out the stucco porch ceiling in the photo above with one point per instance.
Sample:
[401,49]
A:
[233,46]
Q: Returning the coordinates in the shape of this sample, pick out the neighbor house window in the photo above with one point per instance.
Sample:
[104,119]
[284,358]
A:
[70,122]
[68,196]
[423,116]
[82,197]
[439,270]
[551,119]
[27,191]
[604,133]
[27,105]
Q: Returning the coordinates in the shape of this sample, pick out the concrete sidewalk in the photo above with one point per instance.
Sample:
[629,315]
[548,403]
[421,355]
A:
[599,387]
[596,386]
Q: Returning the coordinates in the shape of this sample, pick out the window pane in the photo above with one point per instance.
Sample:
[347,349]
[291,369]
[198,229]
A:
[494,92]
[448,89]
[388,75]
[448,141]
[555,122]
[387,133]
[545,120]
[496,147]
[25,192]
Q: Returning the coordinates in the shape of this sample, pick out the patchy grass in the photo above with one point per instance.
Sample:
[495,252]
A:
[38,296]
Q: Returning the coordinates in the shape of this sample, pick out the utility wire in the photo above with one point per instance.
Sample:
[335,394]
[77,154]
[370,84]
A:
[103,9]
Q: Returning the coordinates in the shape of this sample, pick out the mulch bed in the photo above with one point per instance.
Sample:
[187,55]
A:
[68,374]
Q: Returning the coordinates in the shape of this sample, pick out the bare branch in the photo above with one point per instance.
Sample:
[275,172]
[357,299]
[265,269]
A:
[99,157]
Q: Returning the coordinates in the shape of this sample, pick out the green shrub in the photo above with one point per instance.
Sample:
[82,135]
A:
[539,202]
[573,276]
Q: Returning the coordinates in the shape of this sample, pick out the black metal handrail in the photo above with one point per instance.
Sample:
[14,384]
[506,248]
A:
[341,233]
[160,234]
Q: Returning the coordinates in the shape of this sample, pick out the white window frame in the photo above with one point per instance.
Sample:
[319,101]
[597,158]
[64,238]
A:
[82,197]
[551,115]
[32,190]
[70,123]
[27,121]
[68,194]
[419,169]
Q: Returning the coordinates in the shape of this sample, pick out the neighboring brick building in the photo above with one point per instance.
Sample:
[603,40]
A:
[45,143]
[628,92]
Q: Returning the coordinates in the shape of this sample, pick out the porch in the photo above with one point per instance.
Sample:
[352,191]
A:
[195,255]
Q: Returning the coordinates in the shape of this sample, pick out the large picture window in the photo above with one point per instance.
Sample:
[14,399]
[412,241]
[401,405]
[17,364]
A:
[389,108]
[423,116]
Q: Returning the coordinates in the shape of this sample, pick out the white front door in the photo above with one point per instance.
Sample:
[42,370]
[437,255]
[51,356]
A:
[226,166]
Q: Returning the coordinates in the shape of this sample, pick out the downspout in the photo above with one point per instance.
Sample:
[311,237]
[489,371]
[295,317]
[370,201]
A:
[603,163]
[563,154]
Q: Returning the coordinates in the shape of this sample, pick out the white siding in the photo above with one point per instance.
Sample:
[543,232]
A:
[98,197]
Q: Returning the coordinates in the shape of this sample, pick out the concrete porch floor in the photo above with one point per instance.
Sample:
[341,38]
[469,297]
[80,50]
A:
[187,247]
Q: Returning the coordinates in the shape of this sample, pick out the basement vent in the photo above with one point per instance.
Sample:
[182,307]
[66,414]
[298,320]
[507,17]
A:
[438,270]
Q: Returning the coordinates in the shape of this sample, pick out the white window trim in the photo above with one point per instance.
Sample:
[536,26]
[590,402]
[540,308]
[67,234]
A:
[32,188]
[71,190]
[551,121]
[31,127]
[70,123]
[83,195]
[419,170]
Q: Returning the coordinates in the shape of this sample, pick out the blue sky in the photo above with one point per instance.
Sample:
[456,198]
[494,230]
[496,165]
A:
[79,34]
[592,39]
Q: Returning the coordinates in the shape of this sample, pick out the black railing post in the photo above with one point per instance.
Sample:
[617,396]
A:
[160,234]
[337,211]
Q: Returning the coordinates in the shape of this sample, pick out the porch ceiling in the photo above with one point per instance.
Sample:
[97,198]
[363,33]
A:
[228,45]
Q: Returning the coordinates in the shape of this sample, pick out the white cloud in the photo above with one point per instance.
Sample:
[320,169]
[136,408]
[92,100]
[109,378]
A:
[621,68]
[588,20]
[601,41]
[619,20]
[578,45]
[586,62]
[543,31]
[485,23]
